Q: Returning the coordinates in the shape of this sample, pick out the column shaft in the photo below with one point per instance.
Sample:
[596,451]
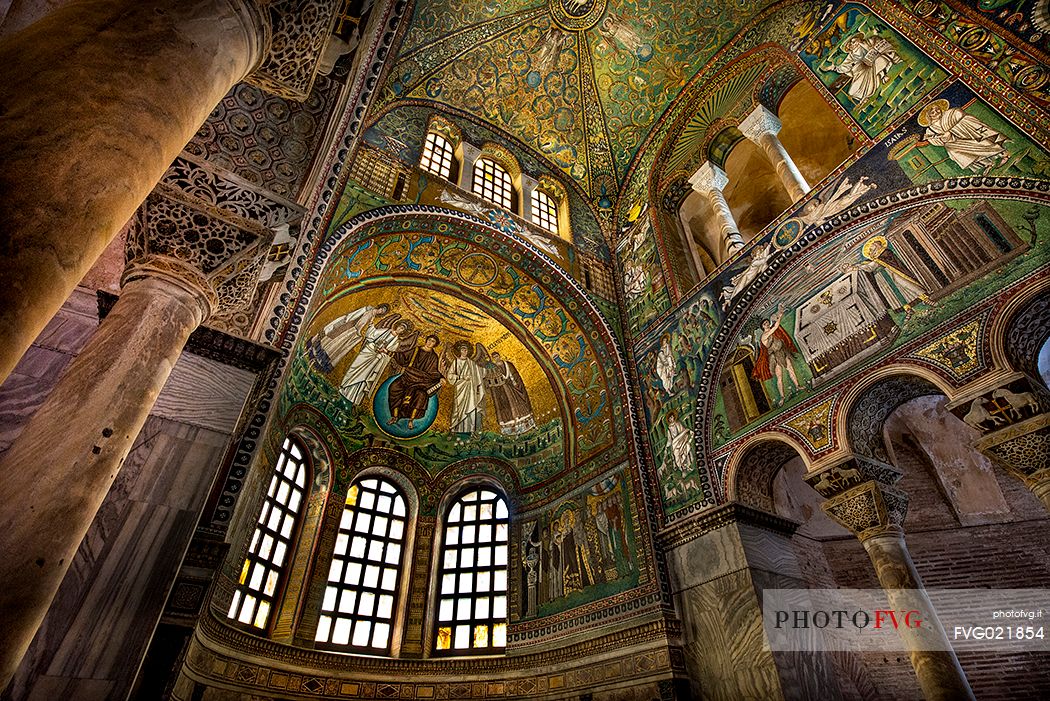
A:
[98,98]
[787,171]
[731,240]
[60,468]
[938,670]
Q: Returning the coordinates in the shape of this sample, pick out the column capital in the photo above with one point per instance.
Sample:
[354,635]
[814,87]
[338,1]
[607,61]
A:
[1012,415]
[176,272]
[860,496]
[210,231]
[302,30]
[761,121]
[709,178]
[869,510]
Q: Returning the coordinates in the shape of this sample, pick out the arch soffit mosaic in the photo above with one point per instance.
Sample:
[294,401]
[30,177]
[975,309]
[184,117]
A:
[755,463]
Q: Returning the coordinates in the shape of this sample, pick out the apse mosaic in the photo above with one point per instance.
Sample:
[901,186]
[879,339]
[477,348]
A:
[409,361]
[438,346]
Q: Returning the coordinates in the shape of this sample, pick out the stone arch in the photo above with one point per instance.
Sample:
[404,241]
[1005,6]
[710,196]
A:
[866,408]
[1022,328]
[755,464]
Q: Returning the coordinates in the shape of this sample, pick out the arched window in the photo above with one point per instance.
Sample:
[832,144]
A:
[360,600]
[437,156]
[472,588]
[492,182]
[544,211]
[264,565]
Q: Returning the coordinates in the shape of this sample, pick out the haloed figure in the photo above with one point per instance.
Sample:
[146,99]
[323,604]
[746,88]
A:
[420,378]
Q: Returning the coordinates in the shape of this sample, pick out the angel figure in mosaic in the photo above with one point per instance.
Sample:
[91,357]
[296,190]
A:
[342,335]
[465,372]
[380,340]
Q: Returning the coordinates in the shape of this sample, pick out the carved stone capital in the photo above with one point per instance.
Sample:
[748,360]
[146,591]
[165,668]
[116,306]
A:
[709,178]
[1023,449]
[210,248]
[760,122]
[869,509]
[302,30]
[223,194]
[850,472]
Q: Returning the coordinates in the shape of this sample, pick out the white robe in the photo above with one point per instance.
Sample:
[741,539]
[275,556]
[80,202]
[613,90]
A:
[970,143]
[868,63]
[364,372]
[337,344]
[665,367]
[680,440]
[468,384]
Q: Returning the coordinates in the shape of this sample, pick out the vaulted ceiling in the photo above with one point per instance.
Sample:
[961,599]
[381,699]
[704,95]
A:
[580,82]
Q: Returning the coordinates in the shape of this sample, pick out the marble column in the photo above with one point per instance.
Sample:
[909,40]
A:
[1012,413]
[710,181]
[861,498]
[60,468]
[98,98]
[762,127]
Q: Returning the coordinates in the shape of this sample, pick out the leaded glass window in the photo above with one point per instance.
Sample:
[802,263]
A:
[493,183]
[361,596]
[437,155]
[544,211]
[265,563]
[472,586]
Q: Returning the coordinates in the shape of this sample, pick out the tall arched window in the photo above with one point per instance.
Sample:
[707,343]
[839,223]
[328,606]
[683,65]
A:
[264,565]
[360,600]
[544,211]
[492,182]
[472,588]
[437,156]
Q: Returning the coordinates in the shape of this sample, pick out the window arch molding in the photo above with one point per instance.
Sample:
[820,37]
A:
[453,492]
[318,573]
[441,151]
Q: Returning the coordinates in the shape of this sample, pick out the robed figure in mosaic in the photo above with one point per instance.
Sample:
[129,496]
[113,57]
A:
[380,341]
[970,143]
[510,398]
[342,335]
[464,372]
[421,376]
